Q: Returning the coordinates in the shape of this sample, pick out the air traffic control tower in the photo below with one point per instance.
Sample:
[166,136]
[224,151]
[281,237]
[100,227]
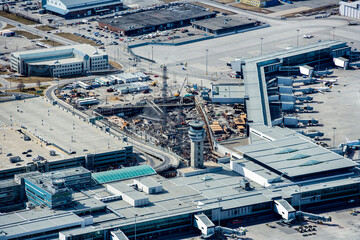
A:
[197,135]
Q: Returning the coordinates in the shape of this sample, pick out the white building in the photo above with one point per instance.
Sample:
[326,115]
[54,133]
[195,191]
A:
[131,88]
[81,8]
[60,61]
[350,9]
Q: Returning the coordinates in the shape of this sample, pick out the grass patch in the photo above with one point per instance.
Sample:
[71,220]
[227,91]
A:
[212,8]
[8,26]
[39,91]
[32,79]
[78,39]
[27,34]
[225,1]
[251,8]
[51,43]
[4,70]
[17,18]
[115,64]
[45,28]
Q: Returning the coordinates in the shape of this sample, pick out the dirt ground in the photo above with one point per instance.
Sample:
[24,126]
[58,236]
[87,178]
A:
[115,64]
[213,8]
[8,26]
[76,38]
[225,1]
[17,18]
[252,8]
[52,43]
[27,34]
[34,90]
[45,28]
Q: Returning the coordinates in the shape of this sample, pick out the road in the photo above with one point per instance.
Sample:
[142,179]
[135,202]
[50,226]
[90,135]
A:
[167,160]
[33,30]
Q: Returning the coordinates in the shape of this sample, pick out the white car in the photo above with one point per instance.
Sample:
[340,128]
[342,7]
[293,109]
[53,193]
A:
[308,36]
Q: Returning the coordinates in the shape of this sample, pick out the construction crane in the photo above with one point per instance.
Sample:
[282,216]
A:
[180,89]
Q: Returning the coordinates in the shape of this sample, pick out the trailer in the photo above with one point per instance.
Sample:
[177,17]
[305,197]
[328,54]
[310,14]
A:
[83,85]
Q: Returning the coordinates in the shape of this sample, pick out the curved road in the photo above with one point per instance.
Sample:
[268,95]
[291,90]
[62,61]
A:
[167,160]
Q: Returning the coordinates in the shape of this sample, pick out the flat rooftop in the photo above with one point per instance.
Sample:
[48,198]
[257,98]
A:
[224,90]
[157,17]
[43,122]
[80,48]
[294,157]
[224,22]
[35,221]
[58,62]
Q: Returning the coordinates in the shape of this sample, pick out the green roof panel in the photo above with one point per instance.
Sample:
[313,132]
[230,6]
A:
[124,173]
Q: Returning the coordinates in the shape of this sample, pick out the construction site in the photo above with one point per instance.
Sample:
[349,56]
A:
[158,109]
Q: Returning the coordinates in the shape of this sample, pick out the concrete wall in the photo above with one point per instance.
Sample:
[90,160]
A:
[242,170]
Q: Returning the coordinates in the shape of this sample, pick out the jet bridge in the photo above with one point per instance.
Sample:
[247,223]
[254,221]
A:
[205,225]
[288,213]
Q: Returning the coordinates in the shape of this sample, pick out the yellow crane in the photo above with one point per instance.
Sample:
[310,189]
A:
[180,89]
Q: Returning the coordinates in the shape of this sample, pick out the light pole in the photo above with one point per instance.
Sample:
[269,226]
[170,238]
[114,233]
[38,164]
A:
[135,225]
[207,50]
[300,202]
[219,199]
[334,32]
[297,37]
[261,41]
[152,53]
[334,129]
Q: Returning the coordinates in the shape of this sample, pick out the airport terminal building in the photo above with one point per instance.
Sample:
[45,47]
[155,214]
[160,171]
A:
[80,8]
[60,61]
[286,174]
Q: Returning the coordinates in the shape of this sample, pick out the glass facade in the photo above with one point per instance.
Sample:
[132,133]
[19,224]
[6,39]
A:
[333,192]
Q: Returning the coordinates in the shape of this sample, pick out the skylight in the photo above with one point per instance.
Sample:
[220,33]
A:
[287,150]
[310,163]
[298,156]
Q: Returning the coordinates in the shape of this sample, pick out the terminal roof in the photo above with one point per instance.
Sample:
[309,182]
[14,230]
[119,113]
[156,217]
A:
[23,223]
[294,157]
[50,124]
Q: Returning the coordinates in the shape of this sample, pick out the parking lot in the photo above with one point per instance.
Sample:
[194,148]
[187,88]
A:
[343,226]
